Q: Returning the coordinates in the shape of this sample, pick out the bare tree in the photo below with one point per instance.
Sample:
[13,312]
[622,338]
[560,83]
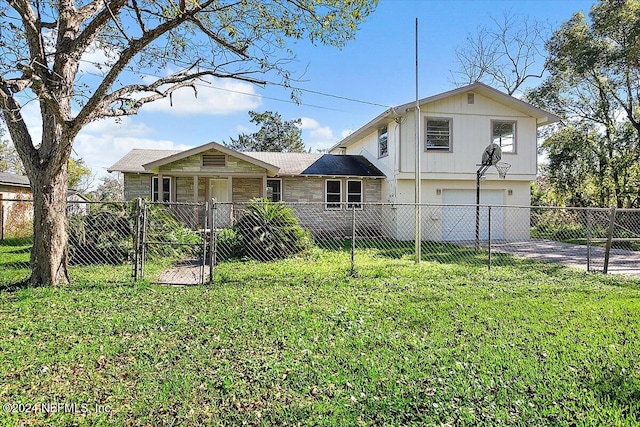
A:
[504,55]
[46,45]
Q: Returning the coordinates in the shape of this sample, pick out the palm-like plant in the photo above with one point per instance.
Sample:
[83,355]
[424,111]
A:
[270,231]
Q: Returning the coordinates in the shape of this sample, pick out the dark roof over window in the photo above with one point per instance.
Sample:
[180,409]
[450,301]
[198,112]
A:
[343,165]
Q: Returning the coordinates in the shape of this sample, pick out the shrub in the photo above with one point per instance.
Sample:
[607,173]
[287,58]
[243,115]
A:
[270,231]
[228,245]
[172,236]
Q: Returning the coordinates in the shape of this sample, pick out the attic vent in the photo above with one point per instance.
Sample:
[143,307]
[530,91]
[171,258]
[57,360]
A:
[470,98]
[214,160]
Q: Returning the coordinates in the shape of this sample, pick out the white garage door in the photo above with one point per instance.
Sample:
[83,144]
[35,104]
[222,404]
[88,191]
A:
[459,222]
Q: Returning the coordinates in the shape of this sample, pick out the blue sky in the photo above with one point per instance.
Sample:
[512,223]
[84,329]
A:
[376,67]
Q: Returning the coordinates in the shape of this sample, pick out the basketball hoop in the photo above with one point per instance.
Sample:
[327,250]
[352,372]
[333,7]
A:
[503,168]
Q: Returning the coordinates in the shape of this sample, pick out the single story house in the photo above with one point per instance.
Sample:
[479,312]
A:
[213,171]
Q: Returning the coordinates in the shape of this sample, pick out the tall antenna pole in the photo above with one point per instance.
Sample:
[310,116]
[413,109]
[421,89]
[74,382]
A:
[418,185]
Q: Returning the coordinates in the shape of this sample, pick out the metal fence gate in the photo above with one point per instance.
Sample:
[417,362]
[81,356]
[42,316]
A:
[172,239]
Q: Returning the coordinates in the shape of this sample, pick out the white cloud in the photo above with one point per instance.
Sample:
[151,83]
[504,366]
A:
[215,97]
[101,144]
[345,133]
[97,59]
[315,135]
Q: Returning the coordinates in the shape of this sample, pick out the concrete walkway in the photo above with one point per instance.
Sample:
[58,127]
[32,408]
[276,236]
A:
[185,272]
[620,261]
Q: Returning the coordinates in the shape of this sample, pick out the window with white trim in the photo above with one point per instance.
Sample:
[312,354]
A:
[503,133]
[274,190]
[164,194]
[354,194]
[383,142]
[437,134]
[333,193]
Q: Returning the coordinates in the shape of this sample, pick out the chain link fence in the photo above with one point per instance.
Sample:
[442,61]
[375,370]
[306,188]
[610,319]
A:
[184,242]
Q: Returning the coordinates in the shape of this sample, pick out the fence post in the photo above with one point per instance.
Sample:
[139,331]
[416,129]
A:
[588,239]
[213,247]
[207,226]
[607,249]
[353,240]
[489,235]
[1,219]
[136,239]
[143,238]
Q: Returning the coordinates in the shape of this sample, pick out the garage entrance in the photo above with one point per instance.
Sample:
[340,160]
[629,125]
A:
[459,215]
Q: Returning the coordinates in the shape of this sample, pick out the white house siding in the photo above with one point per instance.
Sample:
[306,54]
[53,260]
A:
[512,222]
[471,133]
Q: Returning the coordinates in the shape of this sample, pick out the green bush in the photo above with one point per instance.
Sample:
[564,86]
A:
[228,245]
[172,237]
[268,231]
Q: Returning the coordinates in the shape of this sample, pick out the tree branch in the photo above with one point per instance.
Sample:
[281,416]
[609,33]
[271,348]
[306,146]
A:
[15,122]
[176,81]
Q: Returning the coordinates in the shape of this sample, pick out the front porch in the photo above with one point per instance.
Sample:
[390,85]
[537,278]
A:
[202,188]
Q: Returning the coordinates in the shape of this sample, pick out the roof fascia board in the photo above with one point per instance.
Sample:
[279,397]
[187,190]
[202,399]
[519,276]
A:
[364,129]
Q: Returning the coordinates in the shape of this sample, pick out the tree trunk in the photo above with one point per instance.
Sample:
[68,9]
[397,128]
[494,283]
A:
[49,252]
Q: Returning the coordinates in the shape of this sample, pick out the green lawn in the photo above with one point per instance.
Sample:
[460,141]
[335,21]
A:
[301,342]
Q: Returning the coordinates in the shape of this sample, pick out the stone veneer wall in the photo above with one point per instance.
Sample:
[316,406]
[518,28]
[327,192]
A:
[137,185]
[245,189]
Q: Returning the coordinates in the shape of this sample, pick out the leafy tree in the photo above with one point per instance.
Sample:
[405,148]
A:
[80,176]
[505,54]
[274,135]
[594,84]
[109,190]
[9,159]
[46,46]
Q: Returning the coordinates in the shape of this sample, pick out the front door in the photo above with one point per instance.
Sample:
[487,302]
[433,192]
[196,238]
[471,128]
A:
[219,190]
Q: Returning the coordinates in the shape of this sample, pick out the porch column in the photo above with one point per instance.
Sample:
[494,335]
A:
[230,188]
[195,189]
[160,188]
[263,192]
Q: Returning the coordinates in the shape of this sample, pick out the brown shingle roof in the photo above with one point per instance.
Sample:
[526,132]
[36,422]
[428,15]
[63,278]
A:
[289,163]
[134,159]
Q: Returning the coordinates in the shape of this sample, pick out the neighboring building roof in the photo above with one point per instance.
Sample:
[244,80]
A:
[72,193]
[134,159]
[13,180]
[343,165]
[542,117]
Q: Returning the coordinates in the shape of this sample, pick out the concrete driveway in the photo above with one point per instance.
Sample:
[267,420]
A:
[620,261]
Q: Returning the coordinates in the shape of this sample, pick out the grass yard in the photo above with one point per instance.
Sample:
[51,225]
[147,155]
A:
[301,342]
